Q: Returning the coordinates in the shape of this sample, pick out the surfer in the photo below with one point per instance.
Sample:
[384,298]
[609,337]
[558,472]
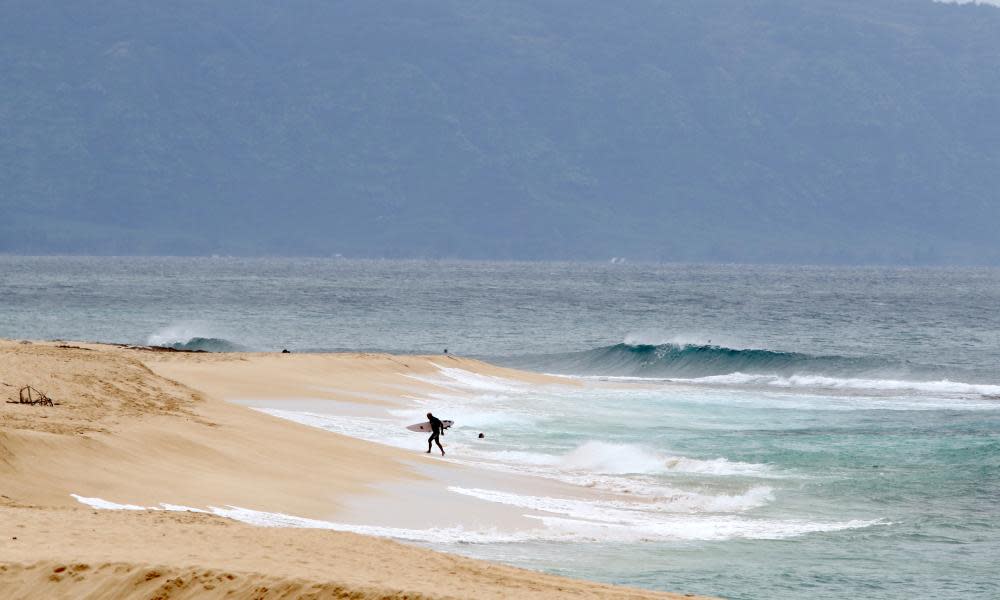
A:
[437,430]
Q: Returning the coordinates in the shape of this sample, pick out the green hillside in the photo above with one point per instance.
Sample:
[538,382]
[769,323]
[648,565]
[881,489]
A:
[696,130]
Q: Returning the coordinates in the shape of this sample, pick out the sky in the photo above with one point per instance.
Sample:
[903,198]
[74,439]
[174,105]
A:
[983,2]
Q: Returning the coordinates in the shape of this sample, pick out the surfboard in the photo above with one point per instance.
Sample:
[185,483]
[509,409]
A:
[426,425]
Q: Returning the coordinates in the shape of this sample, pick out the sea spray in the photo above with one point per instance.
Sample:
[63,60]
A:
[624,459]
[192,336]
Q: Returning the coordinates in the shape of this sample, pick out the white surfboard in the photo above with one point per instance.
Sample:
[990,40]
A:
[426,425]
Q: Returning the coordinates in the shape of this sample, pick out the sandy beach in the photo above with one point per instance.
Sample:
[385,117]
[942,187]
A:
[140,428]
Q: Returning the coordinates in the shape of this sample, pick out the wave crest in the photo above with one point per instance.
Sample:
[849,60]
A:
[192,337]
[196,344]
[628,459]
[701,360]
[942,386]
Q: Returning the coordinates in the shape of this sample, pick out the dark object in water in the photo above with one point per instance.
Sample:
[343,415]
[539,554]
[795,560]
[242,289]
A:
[25,396]
[446,351]
[481,435]
[285,351]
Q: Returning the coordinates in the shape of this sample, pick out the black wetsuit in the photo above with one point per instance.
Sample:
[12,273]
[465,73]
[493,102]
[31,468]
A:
[436,428]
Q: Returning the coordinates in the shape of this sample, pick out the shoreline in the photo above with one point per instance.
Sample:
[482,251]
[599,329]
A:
[145,428]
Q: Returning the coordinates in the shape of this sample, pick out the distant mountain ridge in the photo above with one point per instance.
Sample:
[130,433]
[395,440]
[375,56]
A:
[784,131]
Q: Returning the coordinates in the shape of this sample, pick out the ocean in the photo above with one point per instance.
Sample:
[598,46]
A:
[786,432]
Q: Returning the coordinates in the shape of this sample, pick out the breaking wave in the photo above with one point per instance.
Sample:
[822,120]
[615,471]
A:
[192,337]
[701,360]
[625,459]
[205,345]
[943,386]
[679,361]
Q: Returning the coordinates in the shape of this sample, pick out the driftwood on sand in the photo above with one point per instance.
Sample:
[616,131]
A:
[30,395]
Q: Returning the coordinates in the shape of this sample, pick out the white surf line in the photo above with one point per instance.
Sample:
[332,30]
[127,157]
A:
[719,528]
[561,529]
[105,505]
[456,379]
[449,535]
[618,520]
[818,382]
[602,509]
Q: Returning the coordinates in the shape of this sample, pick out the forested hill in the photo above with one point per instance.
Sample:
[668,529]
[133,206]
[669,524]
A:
[819,131]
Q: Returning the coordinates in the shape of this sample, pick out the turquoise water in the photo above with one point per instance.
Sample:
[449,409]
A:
[927,478]
[800,432]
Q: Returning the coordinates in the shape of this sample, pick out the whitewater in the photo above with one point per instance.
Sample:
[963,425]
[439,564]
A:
[747,432]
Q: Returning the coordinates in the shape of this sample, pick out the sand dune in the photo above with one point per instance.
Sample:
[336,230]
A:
[147,427]
[123,432]
[76,552]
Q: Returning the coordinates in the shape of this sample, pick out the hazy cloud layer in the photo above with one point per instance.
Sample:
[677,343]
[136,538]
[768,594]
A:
[982,2]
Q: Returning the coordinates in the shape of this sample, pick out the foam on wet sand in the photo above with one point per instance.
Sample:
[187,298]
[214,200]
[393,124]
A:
[147,480]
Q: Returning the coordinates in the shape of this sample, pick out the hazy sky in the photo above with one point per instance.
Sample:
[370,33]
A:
[986,2]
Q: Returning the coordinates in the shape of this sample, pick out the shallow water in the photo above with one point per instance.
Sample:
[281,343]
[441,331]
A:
[745,494]
[785,432]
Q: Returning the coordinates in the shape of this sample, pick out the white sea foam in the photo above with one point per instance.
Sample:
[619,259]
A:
[460,379]
[714,528]
[605,458]
[618,468]
[105,505]
[633,528]
[670,501]
[624,459]
[470,416]
[855,393]
[820,381]
[613,459]
[519,457]
[659,510]
[650,485]
[447,535]
[373,429]
[451,535]
[179,333]
[180,508]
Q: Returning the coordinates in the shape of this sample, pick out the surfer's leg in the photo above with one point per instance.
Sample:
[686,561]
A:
[430,440]
[438,442]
